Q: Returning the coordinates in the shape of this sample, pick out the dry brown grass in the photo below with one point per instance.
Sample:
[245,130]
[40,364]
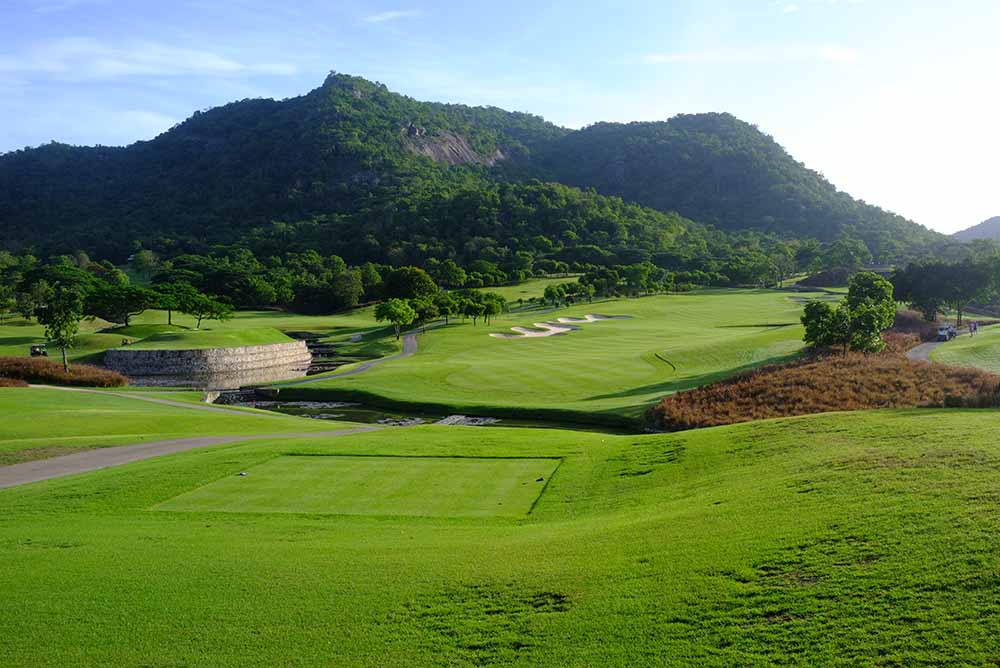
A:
[830,383]
[49,372]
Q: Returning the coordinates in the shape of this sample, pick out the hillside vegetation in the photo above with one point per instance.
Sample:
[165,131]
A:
[354,169]
[719,170]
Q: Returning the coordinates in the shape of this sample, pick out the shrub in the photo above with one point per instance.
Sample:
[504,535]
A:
[12,382]
[823,384]
[45,371]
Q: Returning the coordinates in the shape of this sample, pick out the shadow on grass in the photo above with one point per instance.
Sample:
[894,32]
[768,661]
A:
[670,387]
[20,341]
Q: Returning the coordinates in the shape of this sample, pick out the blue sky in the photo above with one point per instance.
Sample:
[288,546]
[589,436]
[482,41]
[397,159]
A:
[895,101]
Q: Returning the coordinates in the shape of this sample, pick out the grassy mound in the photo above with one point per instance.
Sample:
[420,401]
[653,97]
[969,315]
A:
[49,372]
[820,385]
[837,540]
[196,339]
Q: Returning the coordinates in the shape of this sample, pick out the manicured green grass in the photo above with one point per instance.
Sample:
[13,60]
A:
[617,367]
[529,289]
[18,335]
[211,338]
[838,540]
[981,351]
[36,423]
[344,485]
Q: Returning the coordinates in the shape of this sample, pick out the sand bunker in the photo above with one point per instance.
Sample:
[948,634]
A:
[561,326]
[592,317]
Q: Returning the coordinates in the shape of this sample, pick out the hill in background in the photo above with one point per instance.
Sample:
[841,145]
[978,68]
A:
[353,166]
[988,229]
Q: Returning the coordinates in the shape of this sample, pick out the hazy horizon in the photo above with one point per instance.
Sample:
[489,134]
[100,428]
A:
[891,101]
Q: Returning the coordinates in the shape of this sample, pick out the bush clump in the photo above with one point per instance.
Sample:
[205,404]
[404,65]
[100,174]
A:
[48,372]
[12,382]
[831,383]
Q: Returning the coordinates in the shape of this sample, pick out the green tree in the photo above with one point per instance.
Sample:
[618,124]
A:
[447,305]
[397,312]
[118,303]
[203,307]
[7,301]
[474,310]
[408,283]
[172,296]
[61,315]
[858,321]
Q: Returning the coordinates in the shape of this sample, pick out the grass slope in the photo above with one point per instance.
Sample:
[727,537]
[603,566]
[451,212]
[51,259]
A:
[17,334]
[617,367]
[981,351]
[41,422]
[211,338]
[839,540]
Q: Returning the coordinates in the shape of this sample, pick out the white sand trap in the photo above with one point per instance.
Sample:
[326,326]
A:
[593,317]
[563,326]
[541,329]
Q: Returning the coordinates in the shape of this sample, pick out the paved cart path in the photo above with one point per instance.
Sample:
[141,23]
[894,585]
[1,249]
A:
[211,408]
[409,349]
[102,458]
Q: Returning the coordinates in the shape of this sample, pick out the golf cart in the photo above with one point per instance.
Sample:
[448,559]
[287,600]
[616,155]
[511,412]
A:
[946,333]
[39,351]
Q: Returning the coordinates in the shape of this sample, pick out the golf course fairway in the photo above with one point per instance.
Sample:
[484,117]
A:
[618,367]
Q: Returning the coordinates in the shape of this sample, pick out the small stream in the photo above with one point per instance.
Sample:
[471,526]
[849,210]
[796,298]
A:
[356,412]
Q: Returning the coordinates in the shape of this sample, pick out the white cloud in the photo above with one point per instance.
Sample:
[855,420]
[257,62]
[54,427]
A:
[787,54]
[394,15]
[85,58]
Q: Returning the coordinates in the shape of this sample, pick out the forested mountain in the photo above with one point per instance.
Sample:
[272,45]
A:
[988,229]
[354,169]
[719,170]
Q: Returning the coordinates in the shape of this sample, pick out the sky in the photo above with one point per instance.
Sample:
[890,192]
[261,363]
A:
[895,101]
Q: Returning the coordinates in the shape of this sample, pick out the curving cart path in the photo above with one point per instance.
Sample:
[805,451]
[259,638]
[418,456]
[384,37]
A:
[102,458]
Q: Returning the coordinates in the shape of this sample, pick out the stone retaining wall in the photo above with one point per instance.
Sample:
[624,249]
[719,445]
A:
[148,365]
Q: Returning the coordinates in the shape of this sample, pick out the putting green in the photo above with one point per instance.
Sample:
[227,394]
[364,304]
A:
[345,485]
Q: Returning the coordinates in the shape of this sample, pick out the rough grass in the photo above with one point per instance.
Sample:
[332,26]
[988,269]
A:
[864,539]
[829,383]
[43,370]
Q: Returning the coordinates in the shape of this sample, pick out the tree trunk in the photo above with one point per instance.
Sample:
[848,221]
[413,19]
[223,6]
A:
[65,361]
[170,316]
[198,326]
[397,331]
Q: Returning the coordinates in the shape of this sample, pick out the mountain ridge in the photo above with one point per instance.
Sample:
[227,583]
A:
[351,147]
[988,229]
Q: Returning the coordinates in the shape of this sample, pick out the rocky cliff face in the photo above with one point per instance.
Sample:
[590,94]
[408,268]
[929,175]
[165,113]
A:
[448,148]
